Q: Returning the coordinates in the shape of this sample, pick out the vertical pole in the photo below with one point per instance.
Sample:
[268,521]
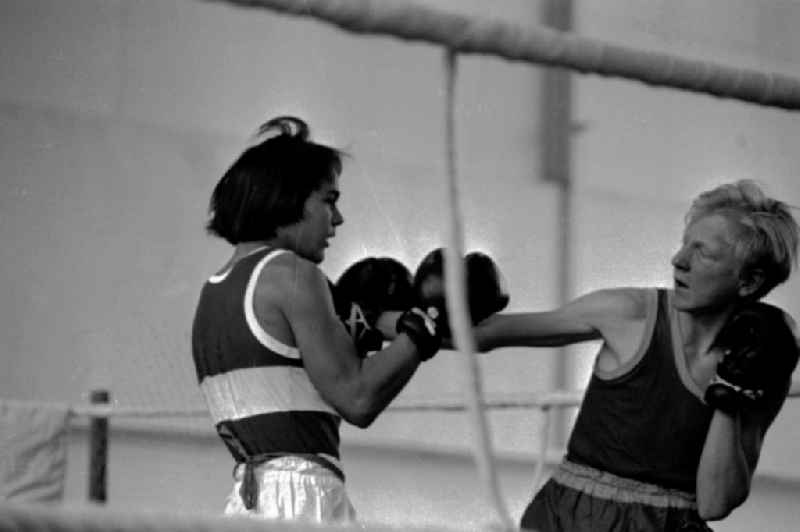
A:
[555,132]
[98,449]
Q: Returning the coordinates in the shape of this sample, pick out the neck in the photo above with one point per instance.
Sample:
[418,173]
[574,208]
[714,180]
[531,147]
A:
[698,330]
[244,248]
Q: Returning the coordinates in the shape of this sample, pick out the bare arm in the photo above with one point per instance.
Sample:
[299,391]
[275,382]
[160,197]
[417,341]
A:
[600,314]
[733,442]
[359,389]
[729,458]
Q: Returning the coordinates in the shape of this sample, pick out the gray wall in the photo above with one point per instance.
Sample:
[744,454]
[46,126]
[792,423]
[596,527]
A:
[117,118]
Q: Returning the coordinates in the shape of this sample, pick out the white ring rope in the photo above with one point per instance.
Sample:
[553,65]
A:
[455,288]
[507,401]
[16,516]
[541,45]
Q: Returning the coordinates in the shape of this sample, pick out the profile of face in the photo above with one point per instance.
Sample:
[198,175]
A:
[707,270]
[309,236]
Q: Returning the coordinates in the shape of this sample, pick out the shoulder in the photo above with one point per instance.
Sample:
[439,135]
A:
[619,303]
[289,274]
[289,264]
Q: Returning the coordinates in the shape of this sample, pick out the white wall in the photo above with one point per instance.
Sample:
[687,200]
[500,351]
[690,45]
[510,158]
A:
[644,152]
[117,118]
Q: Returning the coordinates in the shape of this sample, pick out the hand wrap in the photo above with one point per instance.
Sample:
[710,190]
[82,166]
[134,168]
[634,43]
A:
[422,328]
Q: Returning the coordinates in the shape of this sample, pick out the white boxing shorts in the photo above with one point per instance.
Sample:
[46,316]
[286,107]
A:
[296,489]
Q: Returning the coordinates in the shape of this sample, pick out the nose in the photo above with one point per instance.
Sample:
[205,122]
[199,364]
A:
[681,258]
[337,219]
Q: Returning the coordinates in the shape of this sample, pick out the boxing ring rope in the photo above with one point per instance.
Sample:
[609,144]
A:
[506,401]
[542,46]
[547,402]
[100,413]
[16,517]
[455,288]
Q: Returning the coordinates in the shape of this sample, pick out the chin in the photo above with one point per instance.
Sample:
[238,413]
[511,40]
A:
[697,307]
[312,256]
[678,298]
[682,301]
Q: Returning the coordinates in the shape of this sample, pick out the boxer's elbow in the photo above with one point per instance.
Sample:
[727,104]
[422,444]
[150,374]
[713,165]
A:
[360,420]
[359,409]
[361,413]
[719,505]
[715,510]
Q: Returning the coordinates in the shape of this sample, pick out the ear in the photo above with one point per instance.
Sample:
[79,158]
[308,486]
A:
[750,281]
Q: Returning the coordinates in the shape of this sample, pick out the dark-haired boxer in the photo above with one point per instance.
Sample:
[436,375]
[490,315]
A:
[275,365]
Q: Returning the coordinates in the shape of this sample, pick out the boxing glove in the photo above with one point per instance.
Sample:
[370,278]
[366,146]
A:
[759,354]
[366,289]
[486,292]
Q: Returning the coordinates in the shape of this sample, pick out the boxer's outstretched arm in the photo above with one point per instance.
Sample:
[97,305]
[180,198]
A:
[597,315]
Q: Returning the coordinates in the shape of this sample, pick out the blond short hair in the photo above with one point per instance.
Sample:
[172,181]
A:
[769,233]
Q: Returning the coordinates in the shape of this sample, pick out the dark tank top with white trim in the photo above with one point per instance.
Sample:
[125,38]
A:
[259,395]
[649,423]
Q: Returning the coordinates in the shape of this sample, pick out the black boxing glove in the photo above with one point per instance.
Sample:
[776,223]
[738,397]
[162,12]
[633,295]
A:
[486,292]
[423,330]
[366,289]
[365,337]
[759,354]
